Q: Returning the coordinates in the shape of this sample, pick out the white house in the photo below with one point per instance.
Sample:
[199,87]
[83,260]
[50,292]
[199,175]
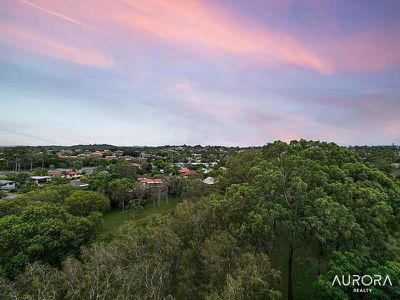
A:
[7,184]
[39,180]
[210,181]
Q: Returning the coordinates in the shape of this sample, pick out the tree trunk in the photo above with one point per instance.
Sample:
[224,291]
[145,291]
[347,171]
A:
[319,261]
[290,273]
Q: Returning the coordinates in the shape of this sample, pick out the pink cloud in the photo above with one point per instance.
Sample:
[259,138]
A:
[30,40]
[259,125]
[210,29]
[61,16]
[187,98]
[363,52]
[192,25]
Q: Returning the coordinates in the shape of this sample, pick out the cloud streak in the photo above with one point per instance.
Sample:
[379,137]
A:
[61,16]
[30,40]
[191,71]
[192,25]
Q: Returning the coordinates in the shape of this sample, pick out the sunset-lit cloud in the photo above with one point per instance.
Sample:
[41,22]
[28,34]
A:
[61,16]
[199,71]
[26,39]
[191,24]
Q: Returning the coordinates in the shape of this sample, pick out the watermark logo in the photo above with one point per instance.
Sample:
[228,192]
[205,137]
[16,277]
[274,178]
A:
[362,283]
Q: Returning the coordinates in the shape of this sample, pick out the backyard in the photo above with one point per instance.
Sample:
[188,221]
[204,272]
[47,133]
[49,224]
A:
[116,217]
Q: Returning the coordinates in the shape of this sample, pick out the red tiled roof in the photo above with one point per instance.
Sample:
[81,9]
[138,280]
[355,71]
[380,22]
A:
[150,180]
[186,172]
[74,173]
[56,174]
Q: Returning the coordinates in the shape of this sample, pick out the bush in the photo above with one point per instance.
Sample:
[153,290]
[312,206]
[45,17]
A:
[82,203]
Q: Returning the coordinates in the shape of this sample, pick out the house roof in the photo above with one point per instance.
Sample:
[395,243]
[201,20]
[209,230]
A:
[74,173]
[209,180]
[151,180]
[78,184]
[56,174]
[186,172]
[6,182]
[40,177]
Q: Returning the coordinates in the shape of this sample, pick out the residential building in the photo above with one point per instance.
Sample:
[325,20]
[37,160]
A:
[7,184]
[39,180]
[73,175]
[78,184]
[151,181]
[210,181]
[186,172]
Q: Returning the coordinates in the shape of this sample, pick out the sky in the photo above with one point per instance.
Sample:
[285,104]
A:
[209,72]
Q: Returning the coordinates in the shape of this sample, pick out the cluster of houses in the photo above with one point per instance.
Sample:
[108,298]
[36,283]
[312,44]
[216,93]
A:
[191,165]
[183,172]
[74,176]
[106,154]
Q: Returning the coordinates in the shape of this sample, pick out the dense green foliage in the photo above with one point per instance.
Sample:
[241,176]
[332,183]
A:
[347,263]
[306,201]
[83,203]
[52,194]
[47,225]
[174,255]
[43,232]
[76,202]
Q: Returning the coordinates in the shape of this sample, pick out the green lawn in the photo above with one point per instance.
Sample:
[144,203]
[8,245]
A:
[116,217]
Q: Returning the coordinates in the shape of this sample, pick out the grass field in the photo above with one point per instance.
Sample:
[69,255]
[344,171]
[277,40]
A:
[116,217]
[304,267]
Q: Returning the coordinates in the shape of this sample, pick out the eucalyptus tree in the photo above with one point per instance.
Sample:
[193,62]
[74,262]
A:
[314,193]
[122,192]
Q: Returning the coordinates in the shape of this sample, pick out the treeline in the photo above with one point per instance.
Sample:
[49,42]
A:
[20,159]
[280,223]
[384,158]
[47,226]
[24,158]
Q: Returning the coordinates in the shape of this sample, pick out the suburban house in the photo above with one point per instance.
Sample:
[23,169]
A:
[118,153]
[111,157]
[73,175]
[143,158]
[186,172]
[179,164]
[96,154]
[78,184]
[7,184]
[210,181]
[151,181]
[57,174]
[39,180]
